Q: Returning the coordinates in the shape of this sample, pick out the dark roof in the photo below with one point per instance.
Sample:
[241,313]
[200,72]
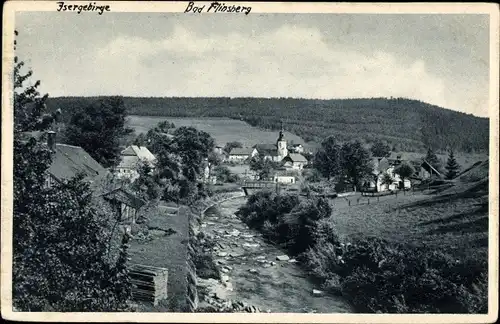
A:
[398,156]
[267,149]
[124,196]
[241,151]
[68,161]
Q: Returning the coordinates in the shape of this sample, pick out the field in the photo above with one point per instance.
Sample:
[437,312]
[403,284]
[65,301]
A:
[222,129]
[454,220]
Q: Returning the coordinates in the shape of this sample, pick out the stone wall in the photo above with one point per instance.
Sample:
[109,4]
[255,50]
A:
[195,216]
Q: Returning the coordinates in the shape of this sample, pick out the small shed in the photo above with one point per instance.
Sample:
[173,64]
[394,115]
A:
[428,171]
[125,203]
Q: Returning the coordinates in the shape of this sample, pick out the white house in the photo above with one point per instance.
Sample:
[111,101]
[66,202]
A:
[383,167]
[284,179]
[238,154]
[294,161]
[131,158]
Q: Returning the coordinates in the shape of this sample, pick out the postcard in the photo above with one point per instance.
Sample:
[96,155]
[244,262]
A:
[205,161]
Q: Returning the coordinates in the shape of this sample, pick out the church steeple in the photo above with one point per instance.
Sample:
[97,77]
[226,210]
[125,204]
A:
[281,143]
[281,136]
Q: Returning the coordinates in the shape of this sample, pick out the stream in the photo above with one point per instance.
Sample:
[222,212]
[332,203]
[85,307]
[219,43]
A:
[252,273]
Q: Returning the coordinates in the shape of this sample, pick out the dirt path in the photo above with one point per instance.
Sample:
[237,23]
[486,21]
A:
[253,274]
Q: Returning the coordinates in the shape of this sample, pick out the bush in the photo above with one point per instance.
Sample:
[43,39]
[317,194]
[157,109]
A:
[381,277]
[203,261]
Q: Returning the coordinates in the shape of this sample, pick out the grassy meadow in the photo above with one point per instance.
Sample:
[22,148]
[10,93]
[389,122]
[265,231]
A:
[458,225]
[223,130]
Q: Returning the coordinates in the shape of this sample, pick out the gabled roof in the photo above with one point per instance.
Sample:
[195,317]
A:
[265,147]
[68,161]
[140,151]
[124,196]
[380,164]
[295,157]
[241,151]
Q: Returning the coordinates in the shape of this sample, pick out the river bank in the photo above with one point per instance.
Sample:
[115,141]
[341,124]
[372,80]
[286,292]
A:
[254,271]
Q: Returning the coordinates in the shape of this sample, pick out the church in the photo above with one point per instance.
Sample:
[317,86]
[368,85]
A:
[279,153]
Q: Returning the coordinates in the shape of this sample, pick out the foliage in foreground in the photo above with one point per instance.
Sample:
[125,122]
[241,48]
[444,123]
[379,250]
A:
[60,238]
[373,274]
[60,260]
[377,276]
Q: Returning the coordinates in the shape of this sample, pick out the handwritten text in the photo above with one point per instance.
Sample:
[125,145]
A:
[216,7]
[79,8]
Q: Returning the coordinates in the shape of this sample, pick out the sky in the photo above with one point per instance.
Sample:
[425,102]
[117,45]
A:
[439,59]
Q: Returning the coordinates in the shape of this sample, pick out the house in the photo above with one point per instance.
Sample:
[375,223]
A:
[124,203]
[131,158]
[294,161]
[284,177]
[208,176]
[68,161]
[296,148]
[382,167]
[239,154]
[396,158]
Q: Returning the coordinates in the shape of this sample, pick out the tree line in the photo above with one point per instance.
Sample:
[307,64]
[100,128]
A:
[407,125]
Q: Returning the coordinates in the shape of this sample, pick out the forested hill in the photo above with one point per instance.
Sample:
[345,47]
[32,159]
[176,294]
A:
[407,125]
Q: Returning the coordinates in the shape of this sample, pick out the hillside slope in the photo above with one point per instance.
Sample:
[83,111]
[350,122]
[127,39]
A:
[408,125]
[454,220]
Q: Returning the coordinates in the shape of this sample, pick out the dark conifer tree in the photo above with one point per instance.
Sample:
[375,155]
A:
[452,166]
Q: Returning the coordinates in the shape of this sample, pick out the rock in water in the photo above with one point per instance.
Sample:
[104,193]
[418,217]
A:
[252,245]
[253,271]
[282,258]
[317,292]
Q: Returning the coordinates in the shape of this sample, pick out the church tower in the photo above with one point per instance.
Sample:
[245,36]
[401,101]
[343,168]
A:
[281,143]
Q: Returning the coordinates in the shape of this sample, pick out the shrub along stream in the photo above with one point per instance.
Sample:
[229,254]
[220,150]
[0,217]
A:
[373,274]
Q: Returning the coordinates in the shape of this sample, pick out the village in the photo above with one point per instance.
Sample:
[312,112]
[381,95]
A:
[303,194]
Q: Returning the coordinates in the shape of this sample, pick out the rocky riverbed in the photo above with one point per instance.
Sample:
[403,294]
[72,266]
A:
[254,272]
